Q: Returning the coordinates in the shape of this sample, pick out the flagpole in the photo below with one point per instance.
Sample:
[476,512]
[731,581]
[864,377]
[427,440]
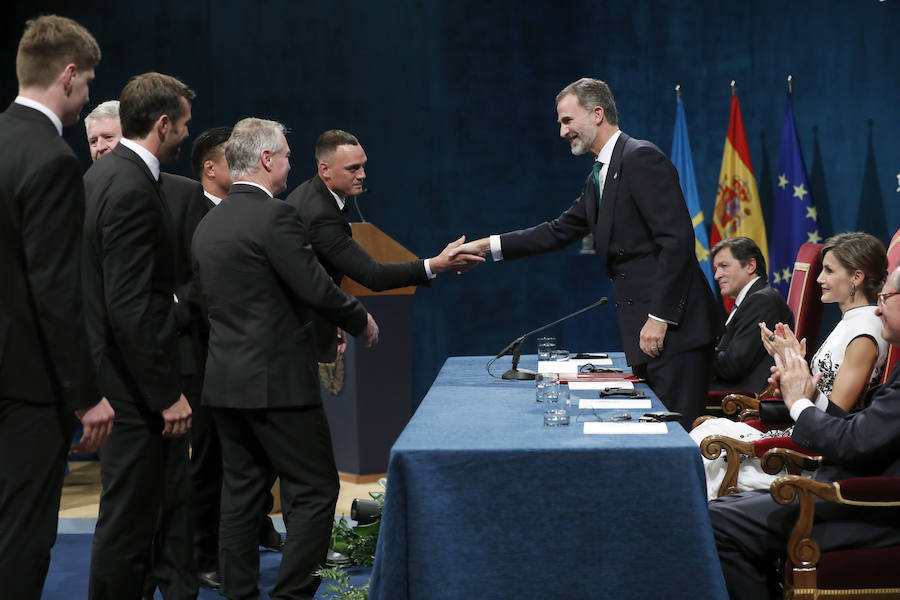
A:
[790,84]
[733,87]
[678,91]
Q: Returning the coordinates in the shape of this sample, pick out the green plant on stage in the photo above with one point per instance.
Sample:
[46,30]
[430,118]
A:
[341,588]
[357,543]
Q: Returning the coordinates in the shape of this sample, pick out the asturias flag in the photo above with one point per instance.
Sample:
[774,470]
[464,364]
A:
[737,211]
[681,158]
[795,219]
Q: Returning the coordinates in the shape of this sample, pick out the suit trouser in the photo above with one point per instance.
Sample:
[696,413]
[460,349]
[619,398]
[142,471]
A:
[680,380]
[751,529]
[206,479]
[295,443]
[139,471]
[34,442]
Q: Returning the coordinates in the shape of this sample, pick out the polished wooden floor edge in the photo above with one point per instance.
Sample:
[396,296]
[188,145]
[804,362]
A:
[354,478]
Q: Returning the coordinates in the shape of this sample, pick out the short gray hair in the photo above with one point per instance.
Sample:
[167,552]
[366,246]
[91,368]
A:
[591,93]
[104,110]
[248,139]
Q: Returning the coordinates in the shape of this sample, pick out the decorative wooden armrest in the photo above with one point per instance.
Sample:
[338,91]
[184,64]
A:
[804,553]
[749,414]
[769,392]
[792,458]
[712,446]
[701,419]
[733,404]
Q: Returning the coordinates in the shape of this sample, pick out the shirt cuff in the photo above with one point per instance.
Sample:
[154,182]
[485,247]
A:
[799,406]
[661,320]
[428,269]
[496,252]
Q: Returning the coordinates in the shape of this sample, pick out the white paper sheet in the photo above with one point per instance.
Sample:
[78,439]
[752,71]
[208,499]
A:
[600,385]
[571,365]
[620,403]
[601,428]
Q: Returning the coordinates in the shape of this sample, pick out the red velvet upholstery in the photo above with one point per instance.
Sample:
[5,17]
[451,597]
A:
[893,252]
[893,262]
[805,296]
[761,446]
[856,568]
[871,489]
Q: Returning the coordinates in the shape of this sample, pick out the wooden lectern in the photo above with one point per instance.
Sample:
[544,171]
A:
[367,392]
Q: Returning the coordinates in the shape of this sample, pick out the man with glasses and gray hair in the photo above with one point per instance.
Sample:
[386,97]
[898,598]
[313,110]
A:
[261,282]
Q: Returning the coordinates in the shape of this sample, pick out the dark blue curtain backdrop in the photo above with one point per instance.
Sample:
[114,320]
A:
[454,104]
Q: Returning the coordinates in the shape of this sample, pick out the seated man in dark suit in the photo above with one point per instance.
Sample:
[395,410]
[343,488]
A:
[750,528]
[321,202]
[740,361]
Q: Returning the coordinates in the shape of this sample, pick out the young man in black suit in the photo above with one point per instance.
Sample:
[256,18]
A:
[321,202]
[751,529]
[740,362]
[633,205]
[130,278]
[45,369]
[260,282]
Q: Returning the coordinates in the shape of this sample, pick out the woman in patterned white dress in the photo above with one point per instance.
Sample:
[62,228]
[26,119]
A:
[854,266]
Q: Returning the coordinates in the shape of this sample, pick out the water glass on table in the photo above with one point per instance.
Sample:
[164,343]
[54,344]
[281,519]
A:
[546,348]
[557,412]
[543,385]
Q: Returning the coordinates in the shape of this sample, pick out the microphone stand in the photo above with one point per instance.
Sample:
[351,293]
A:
[515,346]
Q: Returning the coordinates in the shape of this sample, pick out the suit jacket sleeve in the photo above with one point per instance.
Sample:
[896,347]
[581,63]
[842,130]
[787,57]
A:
[329,236]
[188,309]
[745,349]
[295,262]
[549,236]
[130,228]
[653,183]
[51,235]
[870,436]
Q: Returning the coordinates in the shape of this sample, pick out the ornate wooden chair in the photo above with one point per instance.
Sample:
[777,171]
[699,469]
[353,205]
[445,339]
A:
[860,573]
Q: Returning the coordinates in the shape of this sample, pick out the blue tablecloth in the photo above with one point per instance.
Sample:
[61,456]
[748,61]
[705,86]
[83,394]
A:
[484,501]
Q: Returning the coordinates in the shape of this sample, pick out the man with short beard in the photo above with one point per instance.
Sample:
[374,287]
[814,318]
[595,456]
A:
[632,204]
[130,278]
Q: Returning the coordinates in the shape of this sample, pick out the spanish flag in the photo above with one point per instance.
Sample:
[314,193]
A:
[738,211]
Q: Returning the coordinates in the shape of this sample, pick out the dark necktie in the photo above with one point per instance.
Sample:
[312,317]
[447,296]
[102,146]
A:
[597,166]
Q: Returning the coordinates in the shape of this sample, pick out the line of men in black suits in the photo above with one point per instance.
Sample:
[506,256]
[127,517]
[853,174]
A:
[141,297]
[188,201]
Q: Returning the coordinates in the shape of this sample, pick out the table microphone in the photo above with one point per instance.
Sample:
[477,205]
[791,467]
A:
[515,346]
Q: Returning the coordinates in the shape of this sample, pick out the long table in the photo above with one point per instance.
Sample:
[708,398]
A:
[484,501]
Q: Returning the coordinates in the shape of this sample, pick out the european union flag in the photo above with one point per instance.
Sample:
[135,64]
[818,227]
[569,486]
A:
[795,219]
[681,158]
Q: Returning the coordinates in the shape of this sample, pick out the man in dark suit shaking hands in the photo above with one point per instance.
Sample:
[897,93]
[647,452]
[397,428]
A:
[130,278]
[633,205]
[321,203]
[261,281]
[45,367]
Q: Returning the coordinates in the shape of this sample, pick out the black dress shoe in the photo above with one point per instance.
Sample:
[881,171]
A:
[271,540]
[209,579]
